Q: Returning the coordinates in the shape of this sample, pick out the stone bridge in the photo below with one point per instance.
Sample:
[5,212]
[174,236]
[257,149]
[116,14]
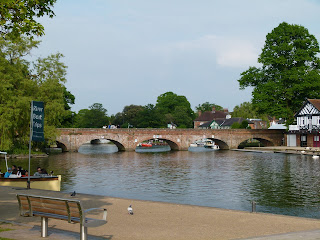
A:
[71,139]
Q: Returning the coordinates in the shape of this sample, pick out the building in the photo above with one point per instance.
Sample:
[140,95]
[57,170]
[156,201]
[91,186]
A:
[223,123]
[209,116]
[306,132]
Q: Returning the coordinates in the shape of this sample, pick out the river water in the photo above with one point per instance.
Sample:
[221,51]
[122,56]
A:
[279,183]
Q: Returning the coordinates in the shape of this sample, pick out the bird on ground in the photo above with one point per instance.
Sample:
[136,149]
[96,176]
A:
[73,194]
[130,210]
[303,151]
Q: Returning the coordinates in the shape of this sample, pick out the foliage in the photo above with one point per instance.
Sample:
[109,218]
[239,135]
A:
[235,125]
[289,72]
[130,113]
[16,90]
[171,105]
[22,82]
[17,17]
[245,110]
[243,125]
[94,117]
[150,117]
[204,107]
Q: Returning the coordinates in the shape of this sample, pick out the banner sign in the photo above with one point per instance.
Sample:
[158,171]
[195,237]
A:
[37,123]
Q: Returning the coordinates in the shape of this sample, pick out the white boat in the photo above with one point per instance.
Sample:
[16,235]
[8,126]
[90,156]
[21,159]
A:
[203,145]
[52,183]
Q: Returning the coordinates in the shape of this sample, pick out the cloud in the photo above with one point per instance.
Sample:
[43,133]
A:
[231,52]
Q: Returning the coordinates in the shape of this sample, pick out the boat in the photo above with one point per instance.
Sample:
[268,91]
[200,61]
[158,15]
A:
[146,145]
[203,145]
[153,145]
[47,182]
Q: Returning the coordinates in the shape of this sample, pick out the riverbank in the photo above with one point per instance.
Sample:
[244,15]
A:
[283,149]
[151,220]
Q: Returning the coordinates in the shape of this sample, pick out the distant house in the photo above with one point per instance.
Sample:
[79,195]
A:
[209,116]
[223,123]
[306,131]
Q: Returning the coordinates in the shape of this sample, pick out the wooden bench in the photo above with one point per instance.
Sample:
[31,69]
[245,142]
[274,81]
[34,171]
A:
[69,210]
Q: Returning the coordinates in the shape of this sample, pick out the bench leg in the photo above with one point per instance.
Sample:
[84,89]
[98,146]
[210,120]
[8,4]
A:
[44,227]
[83,232]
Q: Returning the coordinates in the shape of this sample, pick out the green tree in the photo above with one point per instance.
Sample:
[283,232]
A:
[289,72]
[22,82]
[16,90]
[150,117]
[235,125]
[51,77]
[204,107]
[94,117]
[69,99]
[245,110]
[170,106]
[18,17]
[130,113]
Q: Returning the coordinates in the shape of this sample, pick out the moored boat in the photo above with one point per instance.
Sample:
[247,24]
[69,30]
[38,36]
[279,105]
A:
[52,183]
[44,182]
[203,145]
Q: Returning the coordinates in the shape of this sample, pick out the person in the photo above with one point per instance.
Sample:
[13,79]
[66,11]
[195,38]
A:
[38,172]
[44,172]
[41,172]
[14,169]
[8,173]
[21,172]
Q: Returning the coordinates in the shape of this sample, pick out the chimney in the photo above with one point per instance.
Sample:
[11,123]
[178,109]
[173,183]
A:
[226,110]
[199,113]
[213,109]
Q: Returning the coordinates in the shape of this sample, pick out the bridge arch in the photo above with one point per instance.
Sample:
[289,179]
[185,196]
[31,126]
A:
[264,142]
[223,145]
[118,144]
[174,146]
[62,146]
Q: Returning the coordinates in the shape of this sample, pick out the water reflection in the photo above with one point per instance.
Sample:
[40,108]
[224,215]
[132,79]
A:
[279,183]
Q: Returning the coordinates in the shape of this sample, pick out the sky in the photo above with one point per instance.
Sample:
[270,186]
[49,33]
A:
[123,52]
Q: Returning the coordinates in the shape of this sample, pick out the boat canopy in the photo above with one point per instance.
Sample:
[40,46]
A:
[5,158]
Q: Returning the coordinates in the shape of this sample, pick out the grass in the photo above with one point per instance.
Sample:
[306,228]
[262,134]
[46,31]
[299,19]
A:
[4,230]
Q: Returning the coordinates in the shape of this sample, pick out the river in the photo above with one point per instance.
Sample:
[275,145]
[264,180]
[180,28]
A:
[279,183]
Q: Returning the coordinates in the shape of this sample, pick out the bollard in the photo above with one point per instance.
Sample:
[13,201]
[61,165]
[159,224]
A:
[253,209]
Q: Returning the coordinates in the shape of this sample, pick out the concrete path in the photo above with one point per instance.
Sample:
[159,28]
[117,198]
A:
[155,220]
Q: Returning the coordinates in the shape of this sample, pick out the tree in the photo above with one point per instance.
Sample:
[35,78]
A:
[17,17]
[16,90]
[150,117]
[130,113]
[94,117]
[245,110]
[22,82]
[289,72]
[169,103]
[204,107]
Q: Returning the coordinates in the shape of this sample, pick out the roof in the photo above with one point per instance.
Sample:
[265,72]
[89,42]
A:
[211,115]
[224,122]
[314,102]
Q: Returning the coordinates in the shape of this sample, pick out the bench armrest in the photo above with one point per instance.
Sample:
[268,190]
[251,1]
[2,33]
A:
[104,212]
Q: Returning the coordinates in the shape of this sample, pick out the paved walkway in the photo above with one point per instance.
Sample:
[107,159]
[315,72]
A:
[155,220]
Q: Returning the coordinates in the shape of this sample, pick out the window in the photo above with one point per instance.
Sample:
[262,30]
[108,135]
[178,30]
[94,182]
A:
[316,138]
